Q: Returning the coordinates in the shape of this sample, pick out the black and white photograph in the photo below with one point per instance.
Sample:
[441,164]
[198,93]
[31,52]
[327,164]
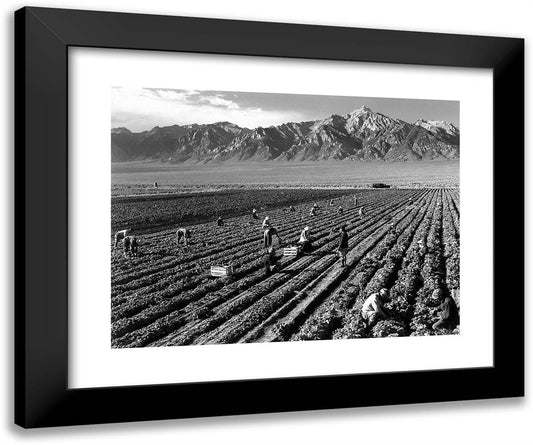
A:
[235,224]
[247,217]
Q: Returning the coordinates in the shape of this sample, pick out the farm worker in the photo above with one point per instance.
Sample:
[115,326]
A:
[355,200]
[126,246]
[410,200]
[372,309]
[305,239]
[447,314]
[422,249]
[183,234]
[220,221]
[392,229]
[331,202]
[361,212]
[292,209]
[155,184]
[343,244]
[267,237]
[271,261]
[266,222]
[313,211]
[134,246]
[254,214]
[340,210]
[120,235]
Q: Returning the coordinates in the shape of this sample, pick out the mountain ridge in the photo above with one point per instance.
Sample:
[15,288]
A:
[361,135]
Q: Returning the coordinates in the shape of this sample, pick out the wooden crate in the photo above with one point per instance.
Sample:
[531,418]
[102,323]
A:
[291,251]
[221,271]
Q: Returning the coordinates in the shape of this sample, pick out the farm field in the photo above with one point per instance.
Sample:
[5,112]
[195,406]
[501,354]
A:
[166,296]
[146,213]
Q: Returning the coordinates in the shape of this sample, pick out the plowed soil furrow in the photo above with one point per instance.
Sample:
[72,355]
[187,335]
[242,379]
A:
[165,297]
[240,250]
[283,292]
[223,248]
[283,275]
[172,287]
[351,325]
[283,322]
[122,327]
[331,315]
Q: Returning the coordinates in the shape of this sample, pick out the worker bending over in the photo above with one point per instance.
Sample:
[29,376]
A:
[305,240]
[372,309]
[134,245]
[126,244]
[183,235]
[267,237]
[120,235]
[447,313]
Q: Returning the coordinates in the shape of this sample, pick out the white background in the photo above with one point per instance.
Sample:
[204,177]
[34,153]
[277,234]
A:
[92,74]
[505,421]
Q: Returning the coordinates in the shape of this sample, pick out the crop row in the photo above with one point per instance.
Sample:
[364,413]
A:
[208,239]
[253,304]
[229,294]
[329,290]
[369,277]
[245,261]
[166,297]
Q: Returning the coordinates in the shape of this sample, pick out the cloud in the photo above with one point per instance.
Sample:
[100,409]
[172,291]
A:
[171,95]
[140,109]
[218,101]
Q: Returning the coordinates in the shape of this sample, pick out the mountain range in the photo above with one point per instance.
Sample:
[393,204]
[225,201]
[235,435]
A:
[362,135]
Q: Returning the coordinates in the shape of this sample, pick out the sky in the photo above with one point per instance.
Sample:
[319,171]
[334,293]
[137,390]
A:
[140,109]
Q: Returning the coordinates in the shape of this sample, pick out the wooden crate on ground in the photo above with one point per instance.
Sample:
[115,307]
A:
[292,251]
[221,271]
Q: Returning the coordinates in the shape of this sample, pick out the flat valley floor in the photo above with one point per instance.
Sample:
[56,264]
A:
[167,297]
[135,177]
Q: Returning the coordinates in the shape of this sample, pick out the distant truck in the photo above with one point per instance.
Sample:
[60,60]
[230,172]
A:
[380,185]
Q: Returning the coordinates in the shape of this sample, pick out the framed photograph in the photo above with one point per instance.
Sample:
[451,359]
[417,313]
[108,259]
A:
[221,217]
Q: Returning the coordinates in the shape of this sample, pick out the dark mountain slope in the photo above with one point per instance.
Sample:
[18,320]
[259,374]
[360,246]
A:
[362,135]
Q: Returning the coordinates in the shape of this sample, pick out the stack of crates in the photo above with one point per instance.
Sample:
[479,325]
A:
[222,271]
[292,251]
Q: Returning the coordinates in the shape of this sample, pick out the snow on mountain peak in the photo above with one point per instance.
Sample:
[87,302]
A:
[433,125]
[361,134]
[363,110]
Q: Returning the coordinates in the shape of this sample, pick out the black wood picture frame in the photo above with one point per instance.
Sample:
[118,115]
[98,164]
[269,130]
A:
[42,39]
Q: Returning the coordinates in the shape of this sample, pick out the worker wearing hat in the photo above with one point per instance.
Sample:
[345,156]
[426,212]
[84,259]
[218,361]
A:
[372,309]
[305,239]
